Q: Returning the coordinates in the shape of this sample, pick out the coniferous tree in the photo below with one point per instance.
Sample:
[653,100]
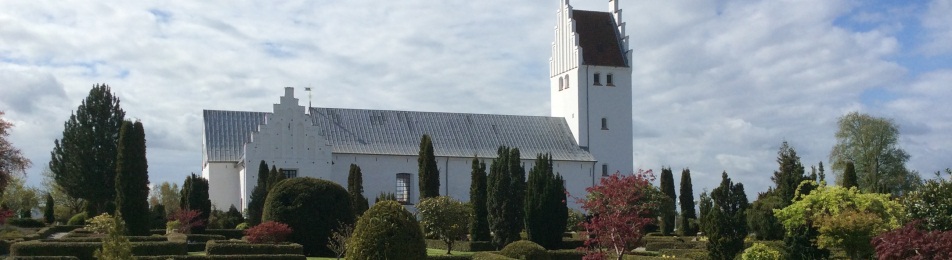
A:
[195,197]
[686,198]
[499,200]
[274,177]
[428,173]
[258,195]
[479,229]
[787,178]
[546,212]
[83,161]
[355,186]
[822,174]
[728,224]
[132,179]
[516,206]
[48,213]
[668,213]
[789,175]
[849,176]
[704,207]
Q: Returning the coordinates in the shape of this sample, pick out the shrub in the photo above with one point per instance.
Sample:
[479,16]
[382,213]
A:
[78,219]
[387,231]
[444,218]
[101,224]
[26,222]
[575,217]
[186,221]
[760,251]
[84,250]
[489,256]
[525,249]
[243,226]
[268,233]
[913,242]
[312,208]
[217,247]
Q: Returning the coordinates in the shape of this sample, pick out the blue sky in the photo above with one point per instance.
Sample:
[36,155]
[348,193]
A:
[718,84]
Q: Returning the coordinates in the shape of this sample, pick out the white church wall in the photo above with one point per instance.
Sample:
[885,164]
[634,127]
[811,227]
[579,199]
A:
[223,183]
[611,143]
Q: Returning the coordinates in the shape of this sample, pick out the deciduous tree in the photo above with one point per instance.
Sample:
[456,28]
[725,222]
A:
[932,203]
[11,159]
[19,198]
[872,144]
[429,174]
[444,218]
[618,205]
[83,161]
[132,179]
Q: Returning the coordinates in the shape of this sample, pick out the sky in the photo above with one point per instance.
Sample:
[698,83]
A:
[718,85]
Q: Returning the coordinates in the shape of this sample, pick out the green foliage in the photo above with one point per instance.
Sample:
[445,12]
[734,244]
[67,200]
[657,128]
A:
[157,217]
[48,210]
[524,249]
[387,231]
[849,176]
[385,196]
[842,216]
[872,144]
[114,245]
[479,225]
[86,250]
[444,218]
[228,247]
[800,244]
[429,174]
[760,217]
[312,208]
[728,221]
[760,251]
[704,207]
[573,220]
[132,179]
[101,224]
[668,209]
[78,219]
[274,177]
[686,226]
[25,222]
[243,226]
[339,238]
[546,211]
[355,187]
[258,195]
[506,196]
[195,197]
[789,175]
[19,198]
[932,203]
[83,161]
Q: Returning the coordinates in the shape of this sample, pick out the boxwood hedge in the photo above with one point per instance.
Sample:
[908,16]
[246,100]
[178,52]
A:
[312,208]
[215,247]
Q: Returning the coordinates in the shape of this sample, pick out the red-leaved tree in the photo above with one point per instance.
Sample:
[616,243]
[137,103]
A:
[187,219]
[4,215]
[912,242]
[619,207]
[269,232]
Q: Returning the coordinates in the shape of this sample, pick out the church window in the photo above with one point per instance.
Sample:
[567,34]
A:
[604,123]
[598,79]
[560,84]
[608,80]
[567,84]
[289,173]
[604,169]
[403,188]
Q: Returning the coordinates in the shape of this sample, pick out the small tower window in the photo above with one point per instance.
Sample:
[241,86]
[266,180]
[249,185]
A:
[604,169]
[598,79]
[604,123]
[560,84]
[567,84]
[609,80]
[403,188]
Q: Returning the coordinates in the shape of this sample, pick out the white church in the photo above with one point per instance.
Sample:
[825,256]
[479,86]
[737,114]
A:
[589,131]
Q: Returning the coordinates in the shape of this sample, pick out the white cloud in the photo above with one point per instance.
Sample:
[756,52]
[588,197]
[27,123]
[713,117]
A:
[938,24]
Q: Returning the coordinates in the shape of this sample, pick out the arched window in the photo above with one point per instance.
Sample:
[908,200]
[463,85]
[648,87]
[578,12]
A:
[567,82]
[560,84]
[403,188]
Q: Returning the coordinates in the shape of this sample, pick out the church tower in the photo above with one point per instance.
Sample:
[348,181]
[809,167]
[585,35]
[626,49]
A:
[590,83]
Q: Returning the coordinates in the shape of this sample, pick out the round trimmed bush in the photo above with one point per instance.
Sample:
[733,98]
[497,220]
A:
[387,231]
[525,249]
[312,208]
[760,251]
[78,219]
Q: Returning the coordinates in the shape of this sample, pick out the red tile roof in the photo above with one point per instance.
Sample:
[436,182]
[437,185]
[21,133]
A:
[598,39]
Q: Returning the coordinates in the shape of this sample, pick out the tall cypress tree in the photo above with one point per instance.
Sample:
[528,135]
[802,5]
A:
[355,187]
[728,224]
[668,213]
[849,176]
[516,206]
[132,179]
[428,173]
[499,200]
[258,195]
[479,227]
[195,197]
[274,177]
[686,198]
[48,213]
[546,212]
[83,161]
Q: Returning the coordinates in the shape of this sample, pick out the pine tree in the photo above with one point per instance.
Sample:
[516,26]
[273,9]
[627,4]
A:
[355,187]
[499,200]
[195,197]
[789,175]
[83,161]
[479,229]
[428,173]
[48,213]
[258,195]
[728,223]
[132,179]
[849,176]
[687,205]
[546,212]
[668,210]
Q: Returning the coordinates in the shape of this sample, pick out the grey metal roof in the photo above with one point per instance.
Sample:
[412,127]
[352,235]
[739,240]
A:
[226,133]
[362,131]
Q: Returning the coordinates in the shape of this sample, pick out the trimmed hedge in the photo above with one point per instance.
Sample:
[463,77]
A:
[42,258]
[228,233]
[312,208]
[386,231]
[525,249]
[464,246]
[565,254]
[655,246]
[77,220]
[223,257]
[25,222]
[449,257]
[84,250]
[490,256]
[99,239]
[215,247]
[570,243]
[203,237]
[698,254]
